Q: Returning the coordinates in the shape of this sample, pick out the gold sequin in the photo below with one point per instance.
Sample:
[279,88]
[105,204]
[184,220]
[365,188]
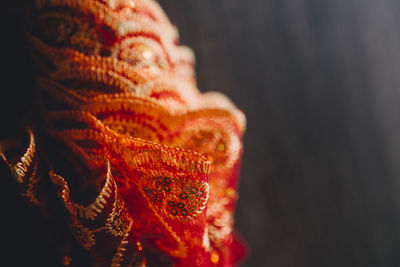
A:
[214,257]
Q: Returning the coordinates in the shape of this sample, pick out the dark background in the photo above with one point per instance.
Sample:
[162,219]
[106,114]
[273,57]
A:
[319,82]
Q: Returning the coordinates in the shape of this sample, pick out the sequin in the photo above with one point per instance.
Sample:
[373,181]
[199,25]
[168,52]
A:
[66,260]
[115,86]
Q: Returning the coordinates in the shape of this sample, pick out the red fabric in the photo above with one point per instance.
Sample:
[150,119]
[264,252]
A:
[121,117]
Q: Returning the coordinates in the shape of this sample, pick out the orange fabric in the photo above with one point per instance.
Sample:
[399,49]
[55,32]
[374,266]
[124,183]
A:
[144,163]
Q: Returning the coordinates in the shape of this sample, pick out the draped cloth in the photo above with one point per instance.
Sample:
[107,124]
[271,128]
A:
[143,165]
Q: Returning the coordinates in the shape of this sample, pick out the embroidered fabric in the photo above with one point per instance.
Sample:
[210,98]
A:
[145,165]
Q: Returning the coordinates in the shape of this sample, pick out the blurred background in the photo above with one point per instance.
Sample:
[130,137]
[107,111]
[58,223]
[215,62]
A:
[319,82]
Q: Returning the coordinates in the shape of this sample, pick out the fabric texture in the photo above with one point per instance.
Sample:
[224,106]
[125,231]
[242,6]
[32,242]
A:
[144,165]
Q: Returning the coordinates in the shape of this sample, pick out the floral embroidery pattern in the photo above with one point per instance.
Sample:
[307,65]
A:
[118,92]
